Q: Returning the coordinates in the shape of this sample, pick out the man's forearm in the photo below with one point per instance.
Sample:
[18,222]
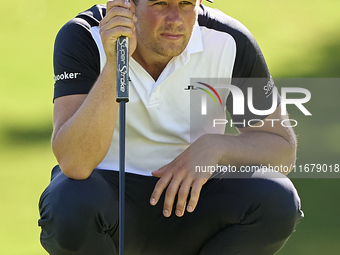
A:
[246,149]
[253,148]
[82,142]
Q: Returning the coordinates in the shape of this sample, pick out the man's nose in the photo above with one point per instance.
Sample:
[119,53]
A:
[173,16]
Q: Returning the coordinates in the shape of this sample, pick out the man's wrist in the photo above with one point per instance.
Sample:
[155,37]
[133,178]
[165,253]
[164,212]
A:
[214,145]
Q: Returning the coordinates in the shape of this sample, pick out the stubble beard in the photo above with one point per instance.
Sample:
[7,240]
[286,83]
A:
[161,46]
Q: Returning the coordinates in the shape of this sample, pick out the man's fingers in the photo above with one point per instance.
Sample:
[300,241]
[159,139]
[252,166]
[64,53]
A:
[195,194]
[118,11]
[115,31]
[170,195]
[159,188]
[117,18]
[118,21]
[159,173]
[183,194]
[122,3]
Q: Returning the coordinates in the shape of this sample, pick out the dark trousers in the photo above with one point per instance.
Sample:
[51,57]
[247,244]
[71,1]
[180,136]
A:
[234,216]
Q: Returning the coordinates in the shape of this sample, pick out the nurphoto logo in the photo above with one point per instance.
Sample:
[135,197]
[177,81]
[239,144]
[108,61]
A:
[239,104]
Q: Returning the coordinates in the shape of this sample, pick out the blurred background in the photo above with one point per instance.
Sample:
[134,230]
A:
[299,38]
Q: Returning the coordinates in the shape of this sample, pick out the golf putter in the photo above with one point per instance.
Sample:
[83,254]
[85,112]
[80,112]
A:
[122,99]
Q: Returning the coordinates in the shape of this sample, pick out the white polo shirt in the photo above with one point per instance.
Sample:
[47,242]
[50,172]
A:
[160,121]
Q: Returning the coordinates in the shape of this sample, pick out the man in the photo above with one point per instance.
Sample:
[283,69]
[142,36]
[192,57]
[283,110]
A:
[171,212]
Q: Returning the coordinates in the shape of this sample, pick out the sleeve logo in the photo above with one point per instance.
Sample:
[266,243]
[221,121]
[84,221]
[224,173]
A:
[268,89]
[66,76]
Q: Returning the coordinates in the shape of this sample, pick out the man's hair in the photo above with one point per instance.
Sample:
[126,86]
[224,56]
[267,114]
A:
[137,1]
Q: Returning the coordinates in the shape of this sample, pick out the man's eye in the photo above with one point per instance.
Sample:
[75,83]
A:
[186,3]
[160,3]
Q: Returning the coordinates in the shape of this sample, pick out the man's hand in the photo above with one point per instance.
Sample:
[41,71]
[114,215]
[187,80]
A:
[178,180]
[119,21]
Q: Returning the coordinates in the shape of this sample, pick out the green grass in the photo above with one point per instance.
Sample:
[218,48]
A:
[298,38]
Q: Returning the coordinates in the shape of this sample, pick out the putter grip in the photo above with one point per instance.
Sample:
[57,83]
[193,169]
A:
[123,69]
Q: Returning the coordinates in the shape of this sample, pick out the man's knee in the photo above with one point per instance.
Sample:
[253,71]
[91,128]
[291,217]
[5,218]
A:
[74,199]
[71,209]
[279,205]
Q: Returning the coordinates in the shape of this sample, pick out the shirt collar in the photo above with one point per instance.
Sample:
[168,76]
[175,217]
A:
[195,43]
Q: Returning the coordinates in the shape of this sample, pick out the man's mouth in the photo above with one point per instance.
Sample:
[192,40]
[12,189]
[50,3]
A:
[172,36]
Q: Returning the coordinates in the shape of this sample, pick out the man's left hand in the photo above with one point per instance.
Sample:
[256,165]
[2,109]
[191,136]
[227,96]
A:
[175,177]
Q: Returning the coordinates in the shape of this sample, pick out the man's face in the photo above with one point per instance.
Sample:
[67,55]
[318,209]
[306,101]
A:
[165,26]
